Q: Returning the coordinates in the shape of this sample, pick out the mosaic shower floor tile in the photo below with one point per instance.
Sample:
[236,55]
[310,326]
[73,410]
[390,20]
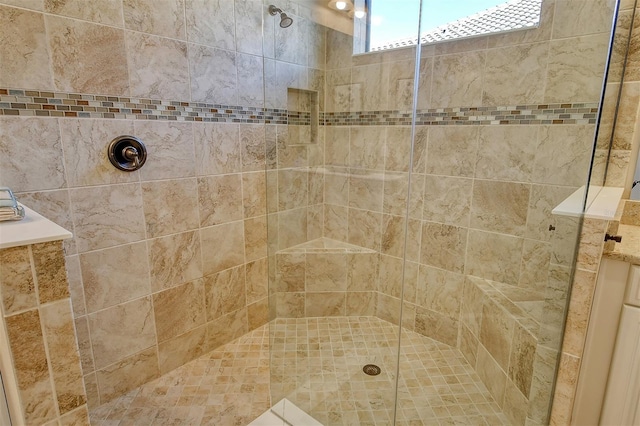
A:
[316,363]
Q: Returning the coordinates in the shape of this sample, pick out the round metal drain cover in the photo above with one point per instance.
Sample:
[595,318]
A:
[371,369]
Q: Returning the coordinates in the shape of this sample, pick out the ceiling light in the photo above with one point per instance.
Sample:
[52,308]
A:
[341,5]
[360,14]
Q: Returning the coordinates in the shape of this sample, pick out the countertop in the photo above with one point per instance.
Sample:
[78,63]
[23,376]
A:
[628,249]
[34,228]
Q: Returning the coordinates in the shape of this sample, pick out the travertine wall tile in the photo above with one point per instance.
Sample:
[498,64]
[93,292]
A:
[179,309]
[16,279]
[48,259]
[62,352]
[118,378]
[107,12]
[174,259]
[31,367]
[163,17]
[224,292]
[23,47]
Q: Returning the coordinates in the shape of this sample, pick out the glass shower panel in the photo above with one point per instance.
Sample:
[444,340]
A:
[505,129]
[337,181]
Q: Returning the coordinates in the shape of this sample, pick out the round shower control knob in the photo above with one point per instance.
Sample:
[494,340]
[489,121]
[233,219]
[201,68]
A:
[127,153]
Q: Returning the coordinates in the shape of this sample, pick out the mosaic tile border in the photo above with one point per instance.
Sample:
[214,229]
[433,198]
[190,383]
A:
[33,103]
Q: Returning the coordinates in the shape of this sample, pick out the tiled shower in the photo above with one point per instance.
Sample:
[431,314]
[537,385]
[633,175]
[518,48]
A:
[439,221]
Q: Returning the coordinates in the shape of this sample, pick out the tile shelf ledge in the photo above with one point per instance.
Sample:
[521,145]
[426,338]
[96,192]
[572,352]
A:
[602,203]
[33,229]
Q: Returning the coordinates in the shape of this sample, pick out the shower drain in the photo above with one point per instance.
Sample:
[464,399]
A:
[371,369]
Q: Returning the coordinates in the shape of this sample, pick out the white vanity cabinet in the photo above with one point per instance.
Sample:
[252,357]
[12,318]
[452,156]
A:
[622,399]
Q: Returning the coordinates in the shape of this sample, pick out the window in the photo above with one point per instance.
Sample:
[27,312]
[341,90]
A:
[390,24]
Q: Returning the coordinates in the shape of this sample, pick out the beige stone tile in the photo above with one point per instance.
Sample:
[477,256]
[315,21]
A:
[452,151]
[222,246]
[396,192]
[210,23]
[326,272]
[292,227]
[170,148]
[254,194]
[364,228]
[258,313]
[91,387]
[516,405]
[440,291]
[361,303]
[290,272]
[521,362]
[577,321]
[213,73]
[26,61]
[30,363]
[619,163]
[388,308]
[117,379]
[564,395]
[500,206]
[120,221]
[591,244]
[494,256]
[336,223]
[16,280]
[220,199]
[447,199]
[579,18]
[534,268]
[37,165]
[290,305]
[248,21]
[252,141]
[226,328]
[77,417]
[163,18]
[224,292]
[468,345]
[121,331]
[250,78]
[366,147]
[315,186]
[85,143]
[27,4]
[97,73]
[437,326]
[362,271]
[48,259]
[170,206]
[393,235]
[255,238]
[443,246]
[292,189]
[84,344]
[401,75]
[179,309]
[57,320]
[158,67]
[325,304]
[217,147]
[473,299]
[513,74]
[179,350]
[337,146]
[544,366]
[491,375]
[256,275]
[55,206]
[628,109]
[339,50]
[174,259]
[576,68]
[543,199]
[496,332]
[115,275]
[506,152]
[108,12]
[457,80]
[370,87]
[390,276]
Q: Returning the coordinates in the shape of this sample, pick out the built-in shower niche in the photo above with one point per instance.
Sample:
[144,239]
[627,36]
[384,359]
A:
[303,113]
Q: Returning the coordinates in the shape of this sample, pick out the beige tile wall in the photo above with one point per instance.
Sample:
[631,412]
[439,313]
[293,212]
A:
[168,262]
[36,309]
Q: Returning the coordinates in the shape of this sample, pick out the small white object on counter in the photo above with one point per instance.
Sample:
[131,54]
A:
[33,229]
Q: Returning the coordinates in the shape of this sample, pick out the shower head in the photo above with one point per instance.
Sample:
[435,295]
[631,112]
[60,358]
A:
[285,21]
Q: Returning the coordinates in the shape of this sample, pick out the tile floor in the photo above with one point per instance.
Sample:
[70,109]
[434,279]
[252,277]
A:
[317,364]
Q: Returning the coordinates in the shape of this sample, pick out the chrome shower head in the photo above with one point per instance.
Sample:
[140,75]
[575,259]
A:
[285,21]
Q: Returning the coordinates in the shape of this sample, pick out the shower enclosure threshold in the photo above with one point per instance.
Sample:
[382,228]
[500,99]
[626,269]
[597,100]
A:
[285,413]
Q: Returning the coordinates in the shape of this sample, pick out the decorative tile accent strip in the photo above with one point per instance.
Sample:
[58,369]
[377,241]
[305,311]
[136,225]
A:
[34,103]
